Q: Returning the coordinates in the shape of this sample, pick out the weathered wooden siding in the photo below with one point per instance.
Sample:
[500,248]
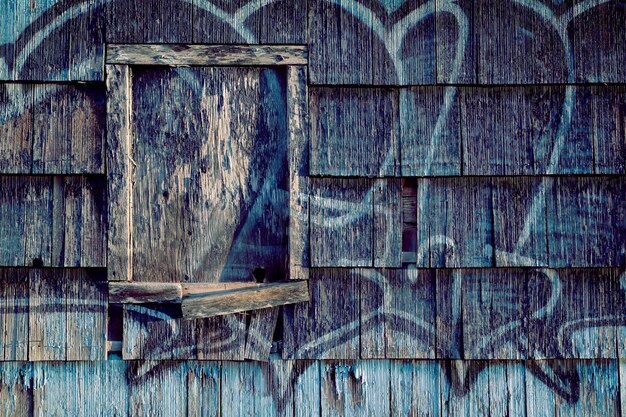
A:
[448,176]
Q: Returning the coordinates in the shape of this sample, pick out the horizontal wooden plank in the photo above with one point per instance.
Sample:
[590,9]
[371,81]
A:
[245,299]
[231,55]
[144,292]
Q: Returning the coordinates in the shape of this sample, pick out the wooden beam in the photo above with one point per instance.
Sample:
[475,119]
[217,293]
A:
[144,292]
[232,55]
[245,299]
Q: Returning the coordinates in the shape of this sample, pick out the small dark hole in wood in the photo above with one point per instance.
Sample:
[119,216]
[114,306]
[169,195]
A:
[37,262]
[166,194]
[203,169]
[259,274]
[186,278]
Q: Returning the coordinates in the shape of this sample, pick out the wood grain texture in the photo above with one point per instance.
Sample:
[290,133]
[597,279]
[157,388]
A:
[387,229]
[340,44]
[149,21]
[12,209]
[516,44]
[519,226]
[341,222]
[343,142]
[15,392]
[144,292]
[260,333]
[160,393]
[494,305]
[230,55]
[14,312]
[298,111]
[352,388]
[608,129]
[415,388]
[198,217]
[16,128]
[211,28]
[586,225]
[119,172]
[455,227]
[449,296]
[309,331]
[409,220]
[599,43]
[398,313]
[283,22]
[245,299]
[430,137]
[455,43]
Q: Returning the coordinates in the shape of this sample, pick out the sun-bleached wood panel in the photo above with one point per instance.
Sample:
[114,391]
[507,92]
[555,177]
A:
[52,40]
[354,132]
[14,314]
[209,197]
[52,221]
[51,128]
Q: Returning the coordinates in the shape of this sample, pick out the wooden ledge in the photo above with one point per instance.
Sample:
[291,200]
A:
[209,55]
[211,299]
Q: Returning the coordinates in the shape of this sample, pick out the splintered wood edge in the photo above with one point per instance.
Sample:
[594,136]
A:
[182,54]
[245,299]
[148,292]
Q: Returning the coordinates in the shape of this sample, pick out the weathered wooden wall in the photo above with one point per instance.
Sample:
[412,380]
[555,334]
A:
[450,177]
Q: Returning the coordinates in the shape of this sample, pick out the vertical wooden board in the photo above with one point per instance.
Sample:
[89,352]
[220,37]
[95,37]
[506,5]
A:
[495,312]
[405,53]
[211,26]
[586,221]
[298,110]
[387,223]
[341,222]
[455,43]
[93,219]
[516,44]
[119,174]
[47,57]
[430,138]
[541,377]
[69,128]
[13,191]
[87,388]
[355,388]
[583,316]
[15,389]
[14,314]
[47,335]
[255,388]
[86,317]
[456,222]
[409,219]
[466,393]
[7,36]
[599,42]
[260,333]
[340,44]
[415,388]
[203,389]
[507,395]
[608,121]
[328,326]
[87,43]
[307,388]
[149,21]
[521,131]
[16,128]
[598,392]
[73,196]
[38,218]
[222,337]
[449,320]
[398,314]
[158,388]
[343,142]
[519,221]
[283,22]
[197,216]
